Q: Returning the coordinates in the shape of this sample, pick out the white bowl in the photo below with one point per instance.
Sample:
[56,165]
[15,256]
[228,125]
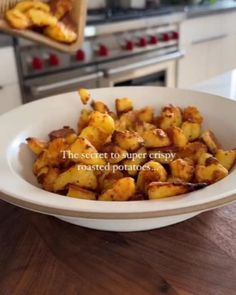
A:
[19,186]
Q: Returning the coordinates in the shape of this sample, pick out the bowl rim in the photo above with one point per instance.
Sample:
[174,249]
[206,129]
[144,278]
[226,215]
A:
[64,206]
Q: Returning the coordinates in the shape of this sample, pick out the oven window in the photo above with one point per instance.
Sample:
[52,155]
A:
[157,79]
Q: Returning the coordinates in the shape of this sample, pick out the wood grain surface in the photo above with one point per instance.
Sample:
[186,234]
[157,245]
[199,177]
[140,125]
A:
[42,255]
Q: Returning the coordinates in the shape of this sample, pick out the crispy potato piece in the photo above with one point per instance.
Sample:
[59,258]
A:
[95,136]
[61,7]
[82,151]
[71,138]
[99,106]
[132,164]
[145,114]
[192,114]
[84,119]
[40,163]
[123,105]
[49,179]
[159,190]
[193,150]
[128,140]
[115,154]
[177,136]
[226,158]
[182,169]
[84,95]
[17,19]
[170,116]
[211,141]
[107,179]
[80,193]
[122,190]
[192,131]
[23,6]
[61,133]
[103,122]
[36,145]
[126,121]
[152,171]
[78,175]
[155,138]
[140,127]
[211,173]
[41,18]
[163,156]
[60,32]
[206,159]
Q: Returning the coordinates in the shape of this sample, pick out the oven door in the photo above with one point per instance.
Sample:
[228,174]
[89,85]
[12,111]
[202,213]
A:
[150,69]
[48,85]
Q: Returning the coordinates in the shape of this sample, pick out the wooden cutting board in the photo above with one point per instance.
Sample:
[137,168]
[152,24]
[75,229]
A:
[42,255]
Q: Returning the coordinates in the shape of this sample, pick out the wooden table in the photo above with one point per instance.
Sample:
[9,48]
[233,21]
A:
[42,255]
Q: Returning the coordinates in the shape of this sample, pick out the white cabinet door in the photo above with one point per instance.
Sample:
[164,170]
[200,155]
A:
[8,68]
[10,97]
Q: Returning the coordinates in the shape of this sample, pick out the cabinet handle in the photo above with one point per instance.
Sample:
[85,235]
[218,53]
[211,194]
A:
[200,41]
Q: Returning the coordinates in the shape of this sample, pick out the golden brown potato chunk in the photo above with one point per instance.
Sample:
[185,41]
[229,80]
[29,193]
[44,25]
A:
[61,32]
[84,95]
[177,136]
[192,131]
[133,164]
[159,190]
[36,145]
[155,138]
[17,19]
[78,175]
[122,190]
[84,119]
[192,114]
[23,6]
[103,122]
[126,121]
[211,141]
[94,136]
[152,171]
[41,18]
[207,159]
[80,193]
[99,106]
[61,133]
[114,153]
[123,105]
[211,173]
[145,114]
[61,7]
[182,169]
[49,179]
[107,179]
[170,116]
[193,150]
[226,158]
[128,140]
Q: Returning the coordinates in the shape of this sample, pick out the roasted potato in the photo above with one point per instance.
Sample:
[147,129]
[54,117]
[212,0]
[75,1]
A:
[41,18]
[24,6]
[115,154]
[206,159]
[211,173]
[80,193]
[182,169]
[192,114]
[103,122]
[126,121]
[123,105]
[145,114]
[192,131]
[17,19]
[122,190]
[61,7]
[159,190]
[152,171]
[163,156]
[84,119]
[99,106]
[37,146]
[84,95]
[211,141]
[78,175]
[49,179]
[226,158]
[193,150]
[61,133]
[155,138]
[177,136]
[60,32]
[107,179]
[95,136]
[138,160]
[128,140]
[140,127]
[170,116]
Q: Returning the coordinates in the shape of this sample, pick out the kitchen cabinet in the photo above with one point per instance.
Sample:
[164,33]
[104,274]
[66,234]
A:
[10,95]
[210,44]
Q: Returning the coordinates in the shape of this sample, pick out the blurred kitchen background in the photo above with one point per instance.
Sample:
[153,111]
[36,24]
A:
[174,43]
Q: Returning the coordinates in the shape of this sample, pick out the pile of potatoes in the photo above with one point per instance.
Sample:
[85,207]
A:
[53,18]
[198,161]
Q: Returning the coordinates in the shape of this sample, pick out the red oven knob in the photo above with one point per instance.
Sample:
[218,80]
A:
[175,36]
[103,50]
[80,55]
[153,40]
[54,60]
[142,42]
[129,45]
[165,37]
[37,63]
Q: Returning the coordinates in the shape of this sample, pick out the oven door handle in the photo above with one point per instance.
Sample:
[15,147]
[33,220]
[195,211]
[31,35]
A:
[36,90]
[145,63]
